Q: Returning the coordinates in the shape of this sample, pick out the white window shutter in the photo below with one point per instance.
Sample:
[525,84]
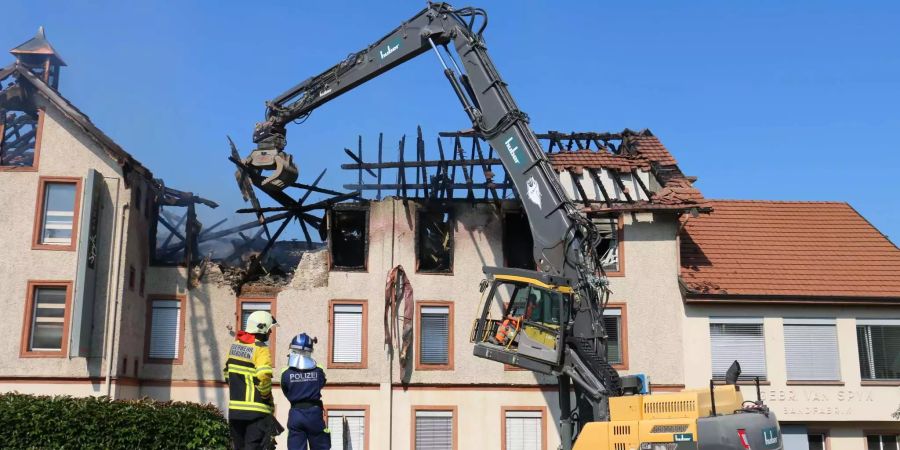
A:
[347,323]
[523,430]
[435,338]
[165,332]
[742,341]
[349,437]
[434,430]
[811,351]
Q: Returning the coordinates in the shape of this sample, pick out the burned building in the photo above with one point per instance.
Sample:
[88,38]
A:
[125,289]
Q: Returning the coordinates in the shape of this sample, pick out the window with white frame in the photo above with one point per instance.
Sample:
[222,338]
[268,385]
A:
[811,350]
[434,430]
[58,214]
[348,428]
[738,339]
[608,245]
[165,330]
[878,341]
[248,308]
[881,442]
[47,319]
[347,333]
[612,323]
[434,335]
[524,430]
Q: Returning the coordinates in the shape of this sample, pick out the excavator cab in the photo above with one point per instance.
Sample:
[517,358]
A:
[522,318]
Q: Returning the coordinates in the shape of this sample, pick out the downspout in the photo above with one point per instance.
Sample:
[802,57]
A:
[111,346]
[391,363]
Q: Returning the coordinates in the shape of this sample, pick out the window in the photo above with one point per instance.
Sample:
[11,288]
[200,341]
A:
[738,339]
[138,197]
[349,427]
[166,328]
[57,213]
[348,239]
[523,429]
[879,349]
[610,246]
[881,442]
[811,350]
[434,428]
[614,321]
[434,333]
[434,242]
[143,281]
[47,318]
[20,141]
[247,306]
[816,441]
[518,244]
[347,335]
[131,277]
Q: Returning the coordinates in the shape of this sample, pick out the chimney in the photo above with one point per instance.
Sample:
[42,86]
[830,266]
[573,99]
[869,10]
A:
[40,58]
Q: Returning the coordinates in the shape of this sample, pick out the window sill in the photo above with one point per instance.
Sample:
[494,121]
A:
[449,274]
[163,362]
[346,366]
[33,354]
[813,383]
[880,383]
[18,169]
[59,248]
[745,383]
[429,367]
[349,269]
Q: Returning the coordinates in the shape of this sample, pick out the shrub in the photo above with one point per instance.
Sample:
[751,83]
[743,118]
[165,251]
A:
[63,422]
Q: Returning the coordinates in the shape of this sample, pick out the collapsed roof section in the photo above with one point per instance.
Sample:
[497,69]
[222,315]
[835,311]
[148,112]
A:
[604,172]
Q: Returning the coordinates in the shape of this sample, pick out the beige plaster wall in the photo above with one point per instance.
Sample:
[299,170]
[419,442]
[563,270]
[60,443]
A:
[852,400]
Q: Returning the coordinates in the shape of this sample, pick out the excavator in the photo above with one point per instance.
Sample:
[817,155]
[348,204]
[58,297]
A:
[562,335]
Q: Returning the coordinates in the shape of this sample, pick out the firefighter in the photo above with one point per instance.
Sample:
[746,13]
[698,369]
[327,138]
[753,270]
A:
[302,382]
[248,372]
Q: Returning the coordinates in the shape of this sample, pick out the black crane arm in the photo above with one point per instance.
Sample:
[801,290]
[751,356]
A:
[564,239]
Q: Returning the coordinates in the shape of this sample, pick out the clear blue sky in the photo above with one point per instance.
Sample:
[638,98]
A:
[760,100]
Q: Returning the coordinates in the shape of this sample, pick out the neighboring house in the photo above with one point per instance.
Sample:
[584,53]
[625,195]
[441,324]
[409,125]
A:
[111,304]
[806,295]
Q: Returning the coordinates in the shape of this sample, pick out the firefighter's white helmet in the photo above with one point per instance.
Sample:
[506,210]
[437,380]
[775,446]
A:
[260,322]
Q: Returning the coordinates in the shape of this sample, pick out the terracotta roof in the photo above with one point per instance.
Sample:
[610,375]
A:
[760,249]
[639,150]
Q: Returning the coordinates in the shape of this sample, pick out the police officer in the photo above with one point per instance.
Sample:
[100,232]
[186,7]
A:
[302,382]
[248,372]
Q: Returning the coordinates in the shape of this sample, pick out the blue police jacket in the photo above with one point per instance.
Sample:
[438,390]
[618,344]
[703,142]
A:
[303,385]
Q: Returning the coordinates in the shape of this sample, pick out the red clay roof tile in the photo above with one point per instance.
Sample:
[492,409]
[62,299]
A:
[787,249]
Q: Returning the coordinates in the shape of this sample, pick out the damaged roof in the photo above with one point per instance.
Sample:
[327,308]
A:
[639,150]
[30,80]
[787,251]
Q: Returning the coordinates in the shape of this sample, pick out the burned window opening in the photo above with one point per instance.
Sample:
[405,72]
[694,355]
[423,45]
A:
[518,243]
[434,242]
[348,239]
[608,247]
[18,147]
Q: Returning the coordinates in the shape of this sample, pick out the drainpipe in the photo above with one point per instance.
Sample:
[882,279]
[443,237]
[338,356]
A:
[113,318]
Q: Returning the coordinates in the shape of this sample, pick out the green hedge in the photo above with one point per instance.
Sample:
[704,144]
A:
[63,422]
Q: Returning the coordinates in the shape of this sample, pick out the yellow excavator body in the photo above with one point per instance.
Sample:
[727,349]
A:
[656,418]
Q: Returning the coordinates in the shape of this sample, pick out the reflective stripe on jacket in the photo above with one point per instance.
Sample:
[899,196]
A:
[248,372]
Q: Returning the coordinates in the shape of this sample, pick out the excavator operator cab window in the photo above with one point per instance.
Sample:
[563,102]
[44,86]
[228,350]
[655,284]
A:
[529,319]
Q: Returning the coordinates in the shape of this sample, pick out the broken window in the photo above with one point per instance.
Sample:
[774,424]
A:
[518,244]
[19,145]
[348,239]
[434,243]
[608,247]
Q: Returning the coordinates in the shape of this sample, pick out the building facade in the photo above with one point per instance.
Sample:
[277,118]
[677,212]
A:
[105,310]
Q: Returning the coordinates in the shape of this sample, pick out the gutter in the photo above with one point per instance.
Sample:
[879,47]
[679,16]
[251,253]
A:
[113,319]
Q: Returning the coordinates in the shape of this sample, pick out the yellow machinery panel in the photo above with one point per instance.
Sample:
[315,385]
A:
[664,430]
[625,408]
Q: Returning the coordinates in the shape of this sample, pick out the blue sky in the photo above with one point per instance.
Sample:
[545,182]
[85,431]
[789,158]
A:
[760,100]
